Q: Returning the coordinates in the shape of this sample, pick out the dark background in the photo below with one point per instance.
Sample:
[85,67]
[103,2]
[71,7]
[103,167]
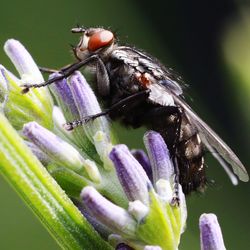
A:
[205,41]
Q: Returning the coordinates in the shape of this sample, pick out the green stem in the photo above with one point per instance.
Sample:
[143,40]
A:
[44,196]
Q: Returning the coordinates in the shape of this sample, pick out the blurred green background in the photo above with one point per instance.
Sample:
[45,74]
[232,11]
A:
[207,42]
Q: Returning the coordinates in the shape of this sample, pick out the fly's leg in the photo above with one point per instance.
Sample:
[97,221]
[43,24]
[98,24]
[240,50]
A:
[50,70]
[63,74]
[176,197]
[117,107]
[74,124]
[103,83]
[102,75]
[47,70]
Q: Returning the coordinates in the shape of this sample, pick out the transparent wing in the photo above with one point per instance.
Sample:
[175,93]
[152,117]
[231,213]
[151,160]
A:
[220,150]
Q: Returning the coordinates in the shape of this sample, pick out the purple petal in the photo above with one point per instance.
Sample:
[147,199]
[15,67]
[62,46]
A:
[109,214]
[143,159]
[130,173]
[210,233]
[159,156]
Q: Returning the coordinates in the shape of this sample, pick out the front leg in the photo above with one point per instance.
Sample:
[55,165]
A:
[69,70]
[50,70]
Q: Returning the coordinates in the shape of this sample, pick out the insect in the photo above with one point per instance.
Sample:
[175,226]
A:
[139,90]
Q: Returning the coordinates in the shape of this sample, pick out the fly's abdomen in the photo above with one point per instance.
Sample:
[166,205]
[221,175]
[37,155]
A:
[187,147]
[191,164]
[190,157]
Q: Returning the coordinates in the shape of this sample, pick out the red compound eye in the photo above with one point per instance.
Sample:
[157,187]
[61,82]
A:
[100,39]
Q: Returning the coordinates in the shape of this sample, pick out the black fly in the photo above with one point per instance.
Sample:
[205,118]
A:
[140,91]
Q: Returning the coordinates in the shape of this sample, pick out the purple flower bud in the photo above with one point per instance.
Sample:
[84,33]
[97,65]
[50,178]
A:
[123,246]
[130,173]
[87,105]
[23,61]
[37,105]
[109,214]
[60,151]
[62,93]
[102,229]
[161,163]
[42,157]
[210,233]
[64,98]
[142,158]
[57,149]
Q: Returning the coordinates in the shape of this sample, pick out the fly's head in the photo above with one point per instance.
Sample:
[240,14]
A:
[93,41]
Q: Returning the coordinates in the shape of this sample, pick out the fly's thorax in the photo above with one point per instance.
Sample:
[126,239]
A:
[123,77]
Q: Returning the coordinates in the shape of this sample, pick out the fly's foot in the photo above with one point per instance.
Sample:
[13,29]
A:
[69,126]
[175,201]
[25,89]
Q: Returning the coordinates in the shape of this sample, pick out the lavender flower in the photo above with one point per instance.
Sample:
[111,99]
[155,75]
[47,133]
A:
[55,148]
[113,216]
[131,175]
[87,105]
[162,166]
[210,233]
[18,108]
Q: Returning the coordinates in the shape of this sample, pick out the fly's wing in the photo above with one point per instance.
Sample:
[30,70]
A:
[222,152]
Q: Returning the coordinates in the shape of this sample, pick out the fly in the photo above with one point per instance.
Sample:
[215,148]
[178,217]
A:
[139,90]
